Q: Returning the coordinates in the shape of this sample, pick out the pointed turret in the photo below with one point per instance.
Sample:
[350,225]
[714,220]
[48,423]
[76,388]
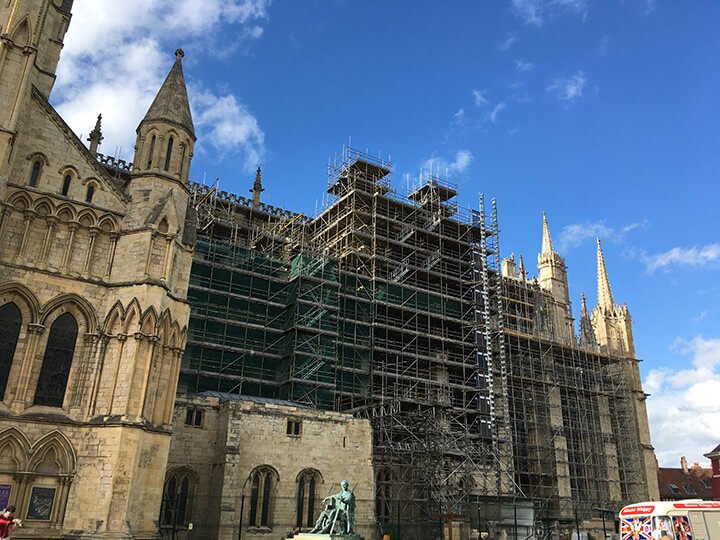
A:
[611,322]
[522,274]
[257,188]
[171,103]
[587,335]
[166,136]
[552,277]
[547,246]
[605,298]
[95,138]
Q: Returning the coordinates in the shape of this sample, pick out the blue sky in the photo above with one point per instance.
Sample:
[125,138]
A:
[600,112]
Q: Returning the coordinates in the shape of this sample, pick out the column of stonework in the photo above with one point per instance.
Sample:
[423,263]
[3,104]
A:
[150,364]
[125,387]
[61,502]
[148,257]
[122,339]
[72,227]
[162,387]
[111,254]
[103,342]
[136,380]
[168,257]
[88,259]
[153,382]
[157,151]
[52,222]
[5,211]
[21,481]
[28,215]
[172,386]
[30,57]
[21,390]
[80,385]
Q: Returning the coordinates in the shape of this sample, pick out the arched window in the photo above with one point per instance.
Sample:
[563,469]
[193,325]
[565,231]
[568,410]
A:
[152,151]
[90,193]
[383,495]
[10,324]
[35,173]
[308,481]
[168,154]
[177,498]
[66,185]
[261,490]
[55,370]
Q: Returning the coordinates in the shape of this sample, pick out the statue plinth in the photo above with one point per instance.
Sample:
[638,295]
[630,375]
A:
[332,536]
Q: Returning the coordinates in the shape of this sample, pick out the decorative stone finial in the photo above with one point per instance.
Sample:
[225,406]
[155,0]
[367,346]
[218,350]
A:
[179,54]
[95,138]
[257,188]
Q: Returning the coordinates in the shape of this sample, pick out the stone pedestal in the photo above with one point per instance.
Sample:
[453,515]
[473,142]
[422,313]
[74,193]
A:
[333,536]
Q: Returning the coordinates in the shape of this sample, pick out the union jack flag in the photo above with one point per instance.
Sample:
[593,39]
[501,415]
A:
[639,528]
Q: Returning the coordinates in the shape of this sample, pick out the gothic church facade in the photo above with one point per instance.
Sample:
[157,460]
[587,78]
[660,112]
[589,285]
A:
[94,265]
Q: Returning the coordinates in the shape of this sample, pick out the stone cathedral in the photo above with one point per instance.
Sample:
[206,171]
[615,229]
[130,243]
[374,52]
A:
[93,281]
[179,361]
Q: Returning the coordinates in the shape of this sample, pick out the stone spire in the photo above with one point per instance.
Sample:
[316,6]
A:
[171,104]
[522,274]
[587,335]
[257,188]
[605,298]
[552,277]
[547,246]
[95,138]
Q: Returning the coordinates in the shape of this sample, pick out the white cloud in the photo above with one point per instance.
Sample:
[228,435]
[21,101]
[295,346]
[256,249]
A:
[521,66]
[700,316]
[535,12]
[571,236]
[460,118]
[567,90]
[229,125]
[682,408]
[439,166]
[507,42]
[496,111]
[680,256]
[480,97]
[117,53]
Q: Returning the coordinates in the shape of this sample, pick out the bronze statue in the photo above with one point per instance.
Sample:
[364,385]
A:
[340,508]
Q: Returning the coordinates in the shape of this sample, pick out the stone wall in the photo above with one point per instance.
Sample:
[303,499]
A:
[237,437]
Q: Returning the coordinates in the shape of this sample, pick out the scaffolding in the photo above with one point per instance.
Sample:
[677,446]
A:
[393,307]
[576,446]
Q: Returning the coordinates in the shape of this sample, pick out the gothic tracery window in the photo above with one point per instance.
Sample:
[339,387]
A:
[55,370]
[261,491]
[10,324]
[308,481]
[177,497]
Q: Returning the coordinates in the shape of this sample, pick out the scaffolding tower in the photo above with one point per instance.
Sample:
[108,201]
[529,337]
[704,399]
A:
[393,307]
